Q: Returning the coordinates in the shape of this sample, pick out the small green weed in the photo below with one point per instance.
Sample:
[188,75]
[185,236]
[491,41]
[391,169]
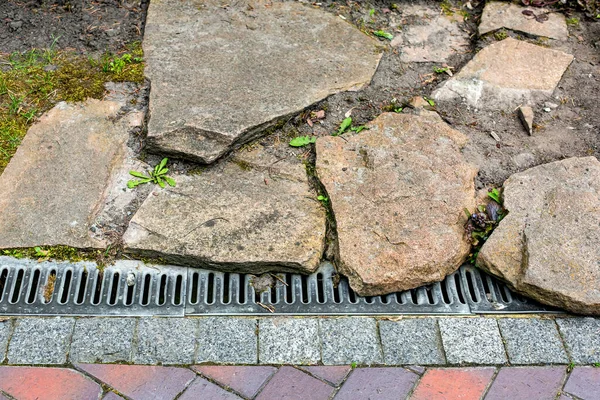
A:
[322,199]
[302,141]
[383,34]
[353,365]
[157,176]
[347,125]
[430,101]
[483,221]
[573,21]
[371,12]
[500,35]
[570,367]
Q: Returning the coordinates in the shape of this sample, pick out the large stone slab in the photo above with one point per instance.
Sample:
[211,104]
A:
[223,72]
[56,183]
[547,246]
[497,15]
[398,191]
[242,216]
[506,74]
[431,37]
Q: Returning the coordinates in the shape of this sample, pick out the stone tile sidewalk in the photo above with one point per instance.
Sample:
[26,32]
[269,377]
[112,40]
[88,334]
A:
[113,381]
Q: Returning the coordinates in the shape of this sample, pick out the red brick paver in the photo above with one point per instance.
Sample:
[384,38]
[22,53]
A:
[332,374]
[245,380]
[24,383]
[584,383]
[527,383]
[377,383]
[112,396]
[140,381]
[453,383]
[203,389]
[292,384]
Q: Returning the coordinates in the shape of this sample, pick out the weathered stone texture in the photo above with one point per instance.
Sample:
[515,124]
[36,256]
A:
[221,75]
[398,191]
[547,246]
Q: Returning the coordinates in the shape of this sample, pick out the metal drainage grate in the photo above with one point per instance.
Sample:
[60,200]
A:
[131,288]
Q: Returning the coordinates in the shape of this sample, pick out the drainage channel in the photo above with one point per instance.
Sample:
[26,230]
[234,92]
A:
[132,288]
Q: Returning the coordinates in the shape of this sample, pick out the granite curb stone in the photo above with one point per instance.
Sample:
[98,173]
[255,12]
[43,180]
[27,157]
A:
[546,348]
[411,341]
[289,341]
[350,340]
[102,340]
[6,328]
[472,341]
[165,341]
[40,340]
[582,339]
[227,340]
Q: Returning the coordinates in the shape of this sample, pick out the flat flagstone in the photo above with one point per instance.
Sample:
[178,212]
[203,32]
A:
[472,341]
[398,192]
[506,74]
[69,158]
[498,15]
[102,340]
[547,347]
[527,383]
[349,340]
[245,380]
[333,374]
[266,61]
[289,341]
[203,389]
[32,383]
[165,341]
[290,383]
[40,340]
[377,383]
[411,341]
[582,339]
[455,383]
[432,37]
[236,216]
[227,340]
[584,382]
[140,382]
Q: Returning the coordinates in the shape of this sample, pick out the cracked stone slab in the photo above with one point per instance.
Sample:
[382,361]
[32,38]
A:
[505,75]
[547,246]
[59,180]
[497,15]
[236,216]
[222,75]
[434,36]
[398,192]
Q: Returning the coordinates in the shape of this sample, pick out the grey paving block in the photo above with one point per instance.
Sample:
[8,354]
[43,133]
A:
[411,341]
[582,338]
[350,340]
[5,331]
[40,340]
[288,341]
[472,341]
[165,341]
[102,340]
[227,340]
[532,341]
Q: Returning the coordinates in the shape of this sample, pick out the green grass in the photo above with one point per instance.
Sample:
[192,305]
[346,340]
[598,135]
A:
[33,82]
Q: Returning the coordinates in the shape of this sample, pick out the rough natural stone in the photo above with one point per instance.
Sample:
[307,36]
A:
[398,193]
[237,216]
[435,38]
[498,15]
[526,117]
[222,75]
[506,74]
[547,246]
[56,183]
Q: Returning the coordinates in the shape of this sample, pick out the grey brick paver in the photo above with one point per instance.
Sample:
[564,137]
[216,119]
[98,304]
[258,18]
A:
[584,382]
[227,340]
[102,340]
[165,341]
[5,331]
[377,383]
[348,340]
[582,338]
[289,341]
[527,383]
[40,340]
[411,341]
[472,341]
[532,341]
